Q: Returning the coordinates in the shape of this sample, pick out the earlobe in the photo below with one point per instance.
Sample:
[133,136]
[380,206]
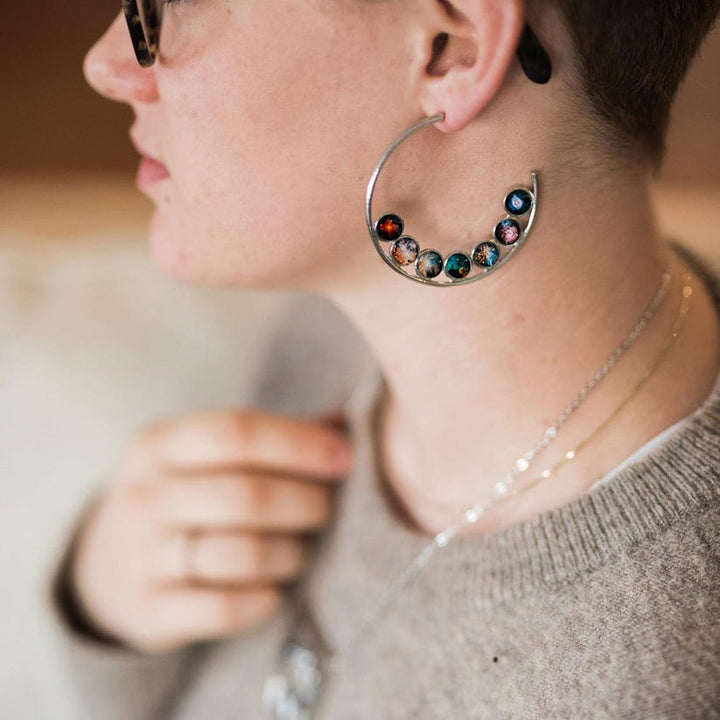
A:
[470,58]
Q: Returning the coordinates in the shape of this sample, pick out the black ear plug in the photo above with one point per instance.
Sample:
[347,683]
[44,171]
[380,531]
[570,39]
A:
[533,57]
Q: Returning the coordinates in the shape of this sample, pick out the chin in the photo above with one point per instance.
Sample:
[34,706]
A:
[206,260]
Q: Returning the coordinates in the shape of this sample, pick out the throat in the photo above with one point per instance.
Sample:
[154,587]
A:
[427,496]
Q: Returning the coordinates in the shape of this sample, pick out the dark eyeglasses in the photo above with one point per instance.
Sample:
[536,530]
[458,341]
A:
[144,18]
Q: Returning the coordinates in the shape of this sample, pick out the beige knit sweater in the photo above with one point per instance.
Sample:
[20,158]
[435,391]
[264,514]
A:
[608,607]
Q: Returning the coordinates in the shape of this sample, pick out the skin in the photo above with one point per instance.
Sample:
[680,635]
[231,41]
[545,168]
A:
[248,487]
[270,118]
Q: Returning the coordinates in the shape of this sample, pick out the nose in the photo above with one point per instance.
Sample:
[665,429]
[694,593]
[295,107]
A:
[111,69]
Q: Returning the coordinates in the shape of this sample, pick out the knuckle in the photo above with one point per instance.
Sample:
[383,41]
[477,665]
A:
[167,503]
[225,610]
[151,433]
[227,429]
[244,427]
[256,556]
[148,441]
[138,496]
[254,494]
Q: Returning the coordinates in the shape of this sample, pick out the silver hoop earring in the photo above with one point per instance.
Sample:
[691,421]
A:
[403,253]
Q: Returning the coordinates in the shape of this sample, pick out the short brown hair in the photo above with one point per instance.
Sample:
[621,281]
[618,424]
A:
[632,56]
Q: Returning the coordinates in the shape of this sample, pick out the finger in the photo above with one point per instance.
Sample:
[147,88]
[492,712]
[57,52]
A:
[227,556]
[251,438]
[337,419]
[243,500]
[189,613]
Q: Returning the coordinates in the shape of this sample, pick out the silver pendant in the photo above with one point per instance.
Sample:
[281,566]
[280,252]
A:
[294,690]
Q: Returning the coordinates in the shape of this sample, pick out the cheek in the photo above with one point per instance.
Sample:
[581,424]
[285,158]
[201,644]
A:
[270,145]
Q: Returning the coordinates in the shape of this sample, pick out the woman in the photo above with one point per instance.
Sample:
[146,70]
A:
[462,575]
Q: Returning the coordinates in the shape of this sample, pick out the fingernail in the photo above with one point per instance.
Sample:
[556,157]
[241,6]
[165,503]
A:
[344,454]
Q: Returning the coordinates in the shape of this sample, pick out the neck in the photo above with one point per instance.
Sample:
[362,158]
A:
[476,373]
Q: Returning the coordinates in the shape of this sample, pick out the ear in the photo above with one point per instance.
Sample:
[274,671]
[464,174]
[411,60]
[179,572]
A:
[472,43]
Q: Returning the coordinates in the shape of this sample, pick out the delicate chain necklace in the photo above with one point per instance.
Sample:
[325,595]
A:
[294,691]
[573,453]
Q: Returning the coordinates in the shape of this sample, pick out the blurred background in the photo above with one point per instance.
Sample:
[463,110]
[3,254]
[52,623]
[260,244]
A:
[94,341]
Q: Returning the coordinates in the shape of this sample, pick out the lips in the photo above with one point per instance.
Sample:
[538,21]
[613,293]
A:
[150,170]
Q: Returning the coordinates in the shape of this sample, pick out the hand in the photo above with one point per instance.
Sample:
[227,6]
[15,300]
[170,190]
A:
[248,484]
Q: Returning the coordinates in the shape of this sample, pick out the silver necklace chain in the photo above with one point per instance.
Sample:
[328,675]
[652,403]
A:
[292,694]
